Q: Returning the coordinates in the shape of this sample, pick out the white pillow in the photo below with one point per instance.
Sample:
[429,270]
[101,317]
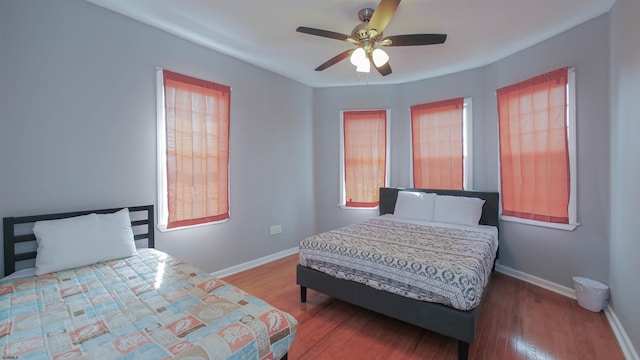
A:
[458,210]
[415,205]
[82,240]
[116,234]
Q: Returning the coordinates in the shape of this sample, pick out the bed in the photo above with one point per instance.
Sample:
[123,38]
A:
[334,262]
[148,305]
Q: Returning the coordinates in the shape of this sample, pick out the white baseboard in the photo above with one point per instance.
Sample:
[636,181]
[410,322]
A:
[628,350]
[627,347]
[254,263]
[545,284]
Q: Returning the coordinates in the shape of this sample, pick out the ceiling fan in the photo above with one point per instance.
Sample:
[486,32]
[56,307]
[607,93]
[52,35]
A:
[367,36]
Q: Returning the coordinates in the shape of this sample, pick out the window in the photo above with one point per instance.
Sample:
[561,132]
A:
[364,166]
[440,138]
[193,151]
[537,150]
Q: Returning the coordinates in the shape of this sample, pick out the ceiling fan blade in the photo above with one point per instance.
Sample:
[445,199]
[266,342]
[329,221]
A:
[416,39]
[334,60]
[384,70]
[323,33]
[382,15]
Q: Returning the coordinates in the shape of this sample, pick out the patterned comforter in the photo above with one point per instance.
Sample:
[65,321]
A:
[149,306]
[432,262]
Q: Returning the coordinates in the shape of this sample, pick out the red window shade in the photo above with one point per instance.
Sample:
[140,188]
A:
[534,158]
[365,156]
[437,139]
[197,125]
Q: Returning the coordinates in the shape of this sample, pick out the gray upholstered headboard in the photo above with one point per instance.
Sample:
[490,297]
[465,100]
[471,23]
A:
[490,209]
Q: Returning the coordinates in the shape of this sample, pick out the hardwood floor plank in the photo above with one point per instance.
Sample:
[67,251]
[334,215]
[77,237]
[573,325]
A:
[518,321]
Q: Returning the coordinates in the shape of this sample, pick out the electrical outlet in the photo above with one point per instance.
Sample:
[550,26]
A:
[275,230]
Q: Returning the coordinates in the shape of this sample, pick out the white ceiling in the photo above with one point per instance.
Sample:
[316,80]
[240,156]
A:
[263,32]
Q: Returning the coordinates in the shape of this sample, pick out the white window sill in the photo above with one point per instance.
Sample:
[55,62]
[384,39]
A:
[163,227]
[345,207]
[565,227]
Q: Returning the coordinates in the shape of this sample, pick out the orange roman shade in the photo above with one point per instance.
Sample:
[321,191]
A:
[437,143]
[197,126]
[365,156]
[534,159]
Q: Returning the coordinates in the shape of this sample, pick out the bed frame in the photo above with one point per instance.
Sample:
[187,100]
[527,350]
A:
[18,237]
[445,320]
[142,220]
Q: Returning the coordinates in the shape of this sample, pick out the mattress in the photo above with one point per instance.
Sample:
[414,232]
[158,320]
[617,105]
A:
[149,306]
[434,262]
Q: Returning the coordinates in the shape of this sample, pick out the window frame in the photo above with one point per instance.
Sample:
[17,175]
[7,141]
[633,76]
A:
[467,145]
[573,172]
[343,200]
[161,157]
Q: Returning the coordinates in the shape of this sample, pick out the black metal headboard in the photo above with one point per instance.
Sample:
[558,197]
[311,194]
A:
[490,209]
[142,219]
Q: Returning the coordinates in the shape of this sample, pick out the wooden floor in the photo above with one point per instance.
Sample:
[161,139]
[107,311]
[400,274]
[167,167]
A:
[518,321]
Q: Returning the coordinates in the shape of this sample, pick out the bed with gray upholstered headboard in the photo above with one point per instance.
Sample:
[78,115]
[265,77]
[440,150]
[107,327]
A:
[442,318]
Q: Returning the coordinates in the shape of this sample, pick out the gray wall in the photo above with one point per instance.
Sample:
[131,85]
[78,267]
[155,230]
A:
[554,255]
[625,165]
[327,104]
[558,255]
[78,128]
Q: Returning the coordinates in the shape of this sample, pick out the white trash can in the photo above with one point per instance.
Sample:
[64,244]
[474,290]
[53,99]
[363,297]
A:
[591,294]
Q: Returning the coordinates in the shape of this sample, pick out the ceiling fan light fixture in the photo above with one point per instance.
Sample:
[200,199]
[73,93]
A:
[358,57]
[364,66]
[368,35]
[380,57]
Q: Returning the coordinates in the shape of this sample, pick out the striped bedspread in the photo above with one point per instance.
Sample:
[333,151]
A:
[149,306]
[446,264]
